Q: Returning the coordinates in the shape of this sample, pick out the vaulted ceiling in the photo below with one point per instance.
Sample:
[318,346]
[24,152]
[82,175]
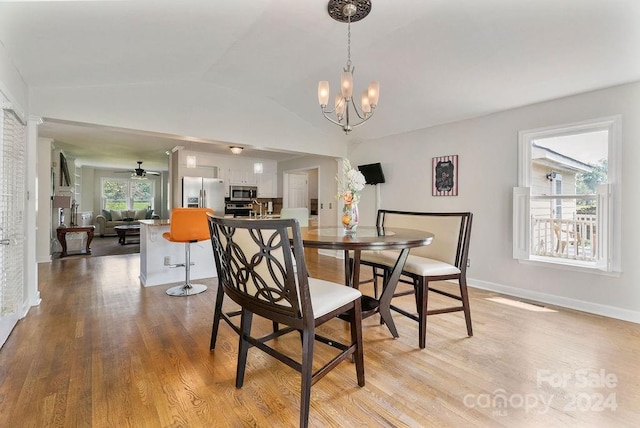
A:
[259,61]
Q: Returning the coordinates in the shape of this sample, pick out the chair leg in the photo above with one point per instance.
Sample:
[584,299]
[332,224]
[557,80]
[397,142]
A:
[465,304]
[375,281]
[243,346]
[308,337]
[217,314]
[422,298]
[356,337]
[386,273]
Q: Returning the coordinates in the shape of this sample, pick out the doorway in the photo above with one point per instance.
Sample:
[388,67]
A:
[301,189]
[297,191]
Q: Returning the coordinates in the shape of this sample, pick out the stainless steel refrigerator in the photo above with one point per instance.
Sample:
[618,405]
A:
[200,192]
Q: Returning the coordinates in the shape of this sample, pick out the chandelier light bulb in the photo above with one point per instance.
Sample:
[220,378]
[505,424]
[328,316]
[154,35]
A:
[374,93]
[366,106]
[347,84]
[323,93]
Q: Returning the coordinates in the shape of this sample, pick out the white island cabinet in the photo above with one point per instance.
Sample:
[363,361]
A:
[154,250]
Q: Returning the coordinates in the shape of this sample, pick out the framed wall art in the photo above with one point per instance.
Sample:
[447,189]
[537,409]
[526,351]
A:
[65,177]
[445,175]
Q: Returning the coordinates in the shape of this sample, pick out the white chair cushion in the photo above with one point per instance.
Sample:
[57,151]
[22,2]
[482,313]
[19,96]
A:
[416,265]
[327,296]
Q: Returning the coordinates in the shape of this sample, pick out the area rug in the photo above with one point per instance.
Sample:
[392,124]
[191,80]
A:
[107,246]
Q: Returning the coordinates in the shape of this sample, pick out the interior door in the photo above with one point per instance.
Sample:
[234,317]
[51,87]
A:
[12,218]
[298,190]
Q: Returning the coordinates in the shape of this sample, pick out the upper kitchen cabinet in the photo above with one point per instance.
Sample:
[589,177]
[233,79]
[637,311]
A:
[233,170]
[266,177]
[267,185]
[207,166]
[241,174]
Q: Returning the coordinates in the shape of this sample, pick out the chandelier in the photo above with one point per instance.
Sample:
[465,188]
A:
[348,11]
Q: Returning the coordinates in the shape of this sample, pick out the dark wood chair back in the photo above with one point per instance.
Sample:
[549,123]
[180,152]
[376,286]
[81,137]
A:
[255,264]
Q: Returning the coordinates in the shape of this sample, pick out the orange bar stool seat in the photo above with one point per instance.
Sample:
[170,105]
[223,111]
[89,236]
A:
[187,225]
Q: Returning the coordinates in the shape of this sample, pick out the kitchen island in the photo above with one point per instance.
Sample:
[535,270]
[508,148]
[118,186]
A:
[157,254]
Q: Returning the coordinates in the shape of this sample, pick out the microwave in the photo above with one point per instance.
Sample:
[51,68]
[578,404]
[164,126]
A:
[243,193]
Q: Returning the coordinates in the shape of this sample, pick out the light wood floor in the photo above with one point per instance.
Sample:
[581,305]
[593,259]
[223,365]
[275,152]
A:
[103,351]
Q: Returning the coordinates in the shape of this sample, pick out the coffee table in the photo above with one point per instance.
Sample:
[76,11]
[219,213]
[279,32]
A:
[124,230]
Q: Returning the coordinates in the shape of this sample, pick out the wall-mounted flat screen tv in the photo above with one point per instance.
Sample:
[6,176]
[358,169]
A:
[372,173]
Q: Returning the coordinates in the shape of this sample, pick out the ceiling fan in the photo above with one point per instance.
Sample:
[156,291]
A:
[139,172]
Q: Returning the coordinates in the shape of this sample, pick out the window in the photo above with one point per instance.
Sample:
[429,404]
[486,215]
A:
[122,194]
[567,206]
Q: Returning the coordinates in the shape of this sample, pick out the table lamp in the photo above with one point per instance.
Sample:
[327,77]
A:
[59,203]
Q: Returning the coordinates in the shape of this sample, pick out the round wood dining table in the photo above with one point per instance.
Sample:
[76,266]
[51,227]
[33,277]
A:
[369,238]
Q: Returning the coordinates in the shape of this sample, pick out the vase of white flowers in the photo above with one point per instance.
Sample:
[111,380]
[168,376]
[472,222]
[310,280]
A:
[349,185]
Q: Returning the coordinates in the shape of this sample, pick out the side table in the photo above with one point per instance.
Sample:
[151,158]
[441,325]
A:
[62,237]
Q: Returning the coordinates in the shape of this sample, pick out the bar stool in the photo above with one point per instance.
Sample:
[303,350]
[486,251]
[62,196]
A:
[187,225]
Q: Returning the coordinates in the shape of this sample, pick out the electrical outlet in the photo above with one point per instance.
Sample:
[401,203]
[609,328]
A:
[468,262]
[321,206]
[167,260]
[329,205]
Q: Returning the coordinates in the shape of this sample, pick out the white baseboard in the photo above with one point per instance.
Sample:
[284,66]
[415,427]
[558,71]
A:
[6,326]
[565,302]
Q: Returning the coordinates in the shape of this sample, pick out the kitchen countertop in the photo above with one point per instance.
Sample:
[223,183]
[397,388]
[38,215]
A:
[160,222]
[166,222]
[267,217]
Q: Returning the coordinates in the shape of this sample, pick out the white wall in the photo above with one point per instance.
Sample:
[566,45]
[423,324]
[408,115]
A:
[487,149]
[184,109]
[11,83]
[86,202]
[44,234]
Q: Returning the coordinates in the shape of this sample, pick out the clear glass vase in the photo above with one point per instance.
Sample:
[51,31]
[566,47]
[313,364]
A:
[350,218]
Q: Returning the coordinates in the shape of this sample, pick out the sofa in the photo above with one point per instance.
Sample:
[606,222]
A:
[109,219]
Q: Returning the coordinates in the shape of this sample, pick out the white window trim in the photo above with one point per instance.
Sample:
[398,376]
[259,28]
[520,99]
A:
[521,247]
[129,198]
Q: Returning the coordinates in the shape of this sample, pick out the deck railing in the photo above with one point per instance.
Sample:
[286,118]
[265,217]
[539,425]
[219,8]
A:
[571,239]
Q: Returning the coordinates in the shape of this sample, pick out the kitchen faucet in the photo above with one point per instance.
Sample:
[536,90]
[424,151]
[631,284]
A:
[259,204]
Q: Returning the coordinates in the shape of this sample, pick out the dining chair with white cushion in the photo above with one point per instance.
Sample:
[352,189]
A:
[254,261]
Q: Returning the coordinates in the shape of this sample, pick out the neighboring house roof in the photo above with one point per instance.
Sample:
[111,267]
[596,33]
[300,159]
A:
[553,159]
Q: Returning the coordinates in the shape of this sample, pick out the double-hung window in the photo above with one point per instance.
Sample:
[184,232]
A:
[124,194]
[566,208]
